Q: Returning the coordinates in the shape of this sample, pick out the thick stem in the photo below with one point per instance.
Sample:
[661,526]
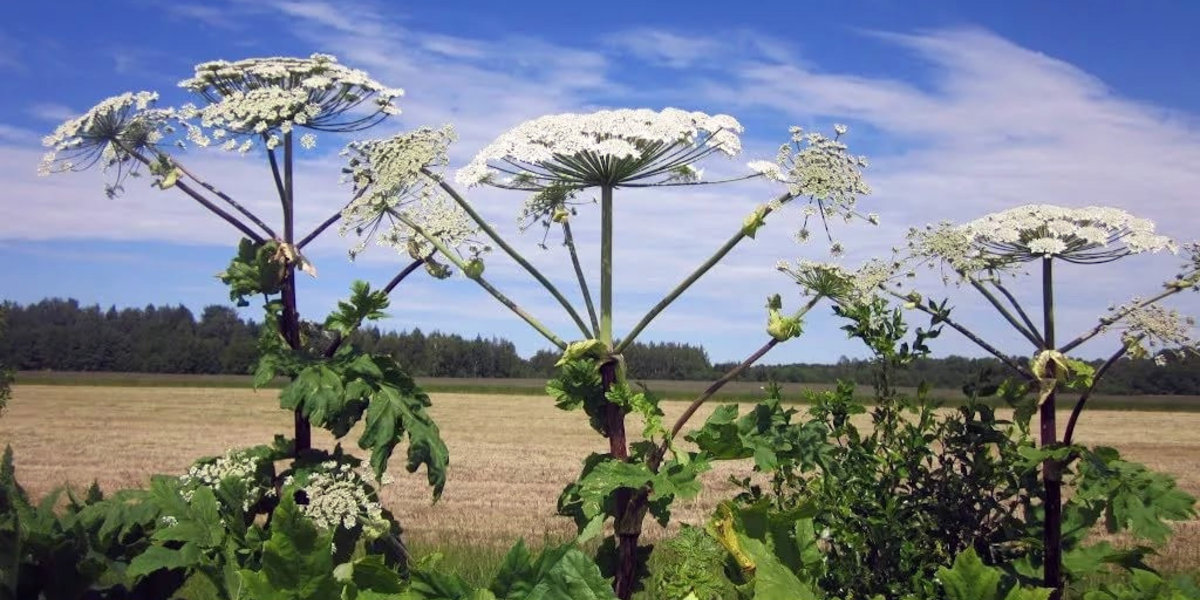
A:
[503,245]
[697,274]
[1069,434]
[290,322]
[606,267]
[569,242]
[1051,469]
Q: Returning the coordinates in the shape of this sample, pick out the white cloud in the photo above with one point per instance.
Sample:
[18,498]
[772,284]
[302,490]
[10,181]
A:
[51,112]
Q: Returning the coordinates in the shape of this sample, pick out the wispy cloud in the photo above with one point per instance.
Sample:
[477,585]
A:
[51,111]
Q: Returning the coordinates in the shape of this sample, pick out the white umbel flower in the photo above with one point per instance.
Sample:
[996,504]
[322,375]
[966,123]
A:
[628,147]
[390,182]
[235,465]
[820,168]
[1009,238]
[267,96]
[339,497]
[106,133]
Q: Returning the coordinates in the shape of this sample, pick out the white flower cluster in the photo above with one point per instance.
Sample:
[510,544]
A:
[609,147]
[1006,239]
[105,134]
[233,465]
[266,97]
[838,283]
[1149,329]
[821,168]
[339,497]
[389,183]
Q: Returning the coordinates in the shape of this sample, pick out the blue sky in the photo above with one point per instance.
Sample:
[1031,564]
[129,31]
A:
[964,108]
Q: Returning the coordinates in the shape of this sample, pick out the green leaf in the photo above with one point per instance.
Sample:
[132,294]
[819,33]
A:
[363,305]
[970,579]
[159,557]
[772,579]
[397,408]
[297,561]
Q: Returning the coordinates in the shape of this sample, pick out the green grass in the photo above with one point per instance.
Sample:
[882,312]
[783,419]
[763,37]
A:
[736,391]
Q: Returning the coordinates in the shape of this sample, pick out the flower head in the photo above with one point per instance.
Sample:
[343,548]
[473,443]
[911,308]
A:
[838,283]
[1009,238]
[1152,330]
[820,168]
[628,147]
[237,467]
[338,497]
[265,96]
[395,189]
[109,133]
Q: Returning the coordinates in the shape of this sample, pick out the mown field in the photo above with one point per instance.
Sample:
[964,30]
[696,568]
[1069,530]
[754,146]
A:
[510,454]
[747,391]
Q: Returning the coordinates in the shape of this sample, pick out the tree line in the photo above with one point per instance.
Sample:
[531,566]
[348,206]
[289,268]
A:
[64,335]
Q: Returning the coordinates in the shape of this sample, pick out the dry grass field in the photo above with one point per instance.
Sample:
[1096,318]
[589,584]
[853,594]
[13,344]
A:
[510,455]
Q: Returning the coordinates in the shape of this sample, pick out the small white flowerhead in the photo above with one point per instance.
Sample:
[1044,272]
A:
[1007,239]
[822,170]
[110,133]
[262,97]
[607,148]
[1152,330]
[838,283]
[396,188]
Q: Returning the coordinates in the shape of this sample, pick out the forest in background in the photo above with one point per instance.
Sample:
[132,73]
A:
[63,335]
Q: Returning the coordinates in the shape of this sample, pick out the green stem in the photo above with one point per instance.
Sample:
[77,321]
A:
[1105,323]
[697,274]
[1012,364]
[1032,337]
[497,294]
[512,252]
[606,267]
[569,242]
[1051,469]
[1021,313]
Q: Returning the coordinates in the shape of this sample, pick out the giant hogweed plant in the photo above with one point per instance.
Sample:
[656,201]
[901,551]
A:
[404,199]
[989,255]
[273,105]
[271,108]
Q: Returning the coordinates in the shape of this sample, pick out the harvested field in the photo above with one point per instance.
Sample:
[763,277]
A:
[510,455]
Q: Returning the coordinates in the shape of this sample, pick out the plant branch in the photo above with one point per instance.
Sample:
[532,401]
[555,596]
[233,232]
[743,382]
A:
[1106,322]
[1021,313]
[1032,337]
[222,195]
[720,383]
[327,223]
[569,242]
[1012,364]
[205,202]
[387,289]
[696,275]
[497,294]
[512,252]
[279,187]
[1069,435]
